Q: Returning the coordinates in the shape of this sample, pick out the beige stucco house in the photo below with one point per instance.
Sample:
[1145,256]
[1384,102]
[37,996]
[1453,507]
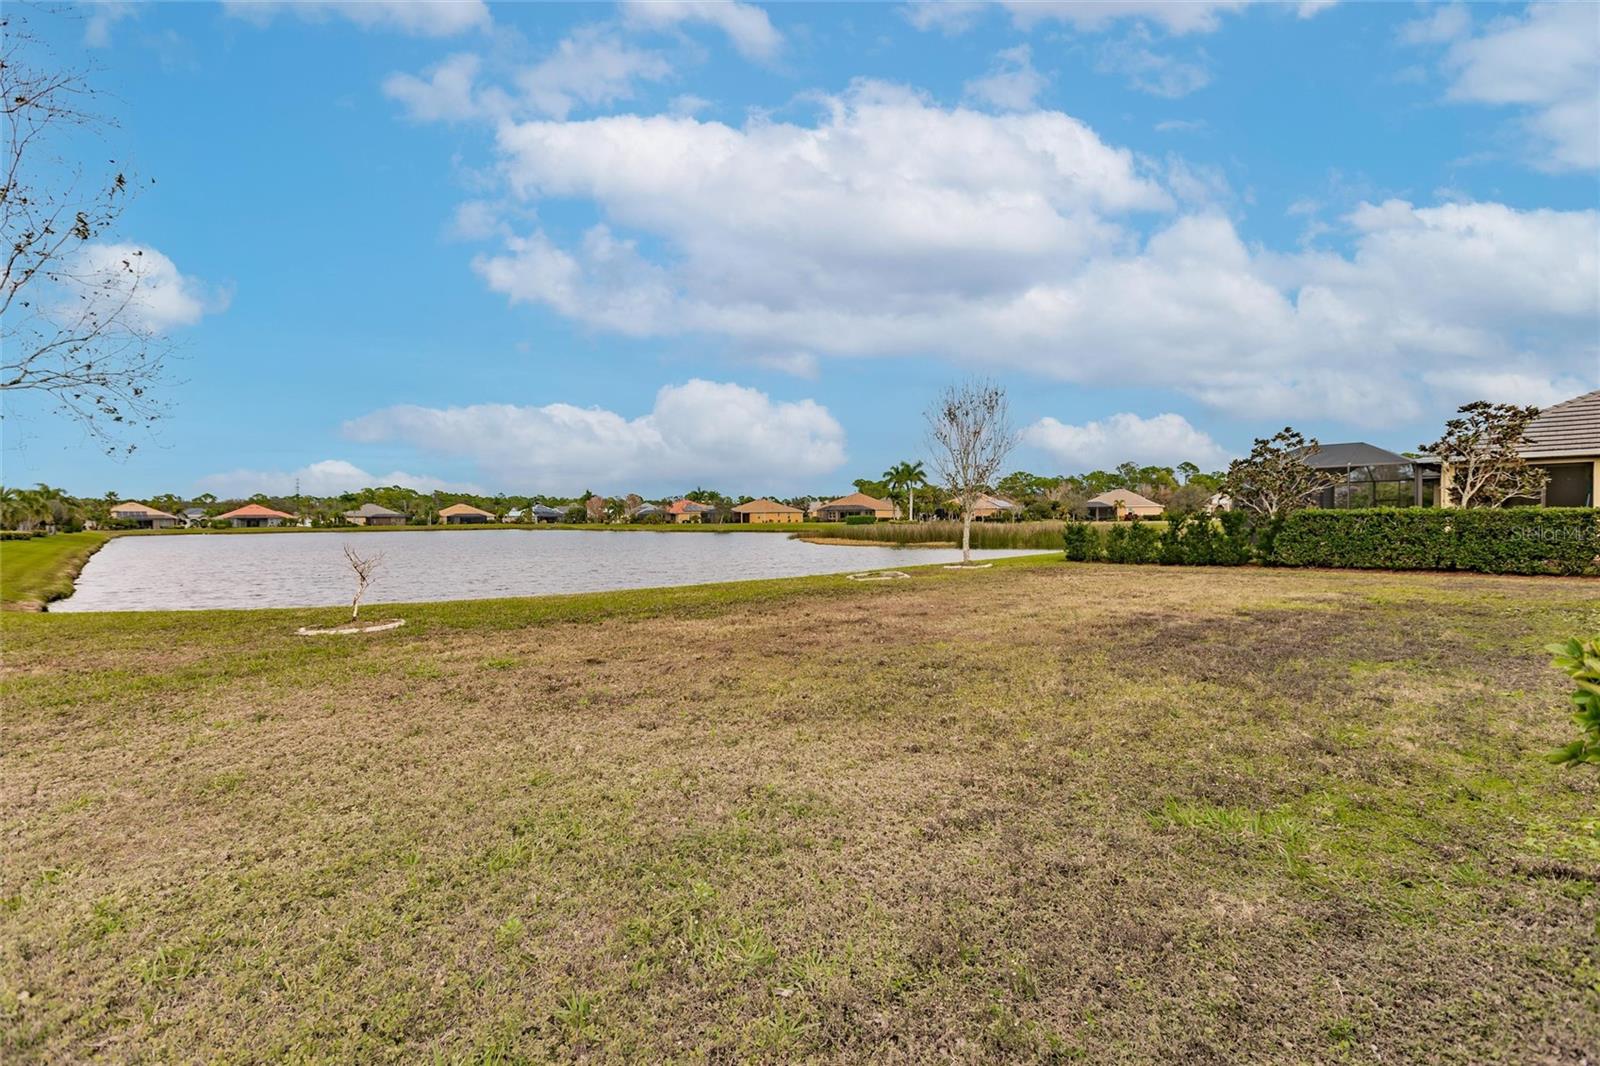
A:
[1565,441]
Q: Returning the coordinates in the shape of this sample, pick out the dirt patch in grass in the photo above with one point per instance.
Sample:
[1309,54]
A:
[1042,813]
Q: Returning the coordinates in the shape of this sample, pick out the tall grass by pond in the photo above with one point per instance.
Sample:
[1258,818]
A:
[1045,536]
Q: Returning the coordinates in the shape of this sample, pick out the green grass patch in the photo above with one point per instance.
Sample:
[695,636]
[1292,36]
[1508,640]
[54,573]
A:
[34,572]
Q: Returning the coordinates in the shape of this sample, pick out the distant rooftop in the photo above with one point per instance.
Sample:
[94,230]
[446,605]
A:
[372,510]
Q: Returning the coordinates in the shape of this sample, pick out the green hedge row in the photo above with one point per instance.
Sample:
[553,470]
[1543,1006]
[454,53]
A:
[1517,540]
[1513,540]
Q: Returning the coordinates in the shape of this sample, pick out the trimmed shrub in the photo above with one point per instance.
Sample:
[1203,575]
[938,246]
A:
[861,520]
[1083,542]
[20,534]
[1134,542]
[1516,540]
[1198,539]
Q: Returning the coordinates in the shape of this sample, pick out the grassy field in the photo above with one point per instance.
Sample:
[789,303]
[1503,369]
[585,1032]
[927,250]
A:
[34,572]
[1043,812]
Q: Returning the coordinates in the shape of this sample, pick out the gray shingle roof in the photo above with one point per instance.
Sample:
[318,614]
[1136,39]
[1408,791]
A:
[372,510]
[1570,428]
[1352,453]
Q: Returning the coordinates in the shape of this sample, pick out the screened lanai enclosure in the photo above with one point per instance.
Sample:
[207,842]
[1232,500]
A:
[1375,477]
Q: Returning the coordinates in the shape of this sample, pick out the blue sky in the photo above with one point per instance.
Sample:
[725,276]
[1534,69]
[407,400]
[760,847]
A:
[547,248]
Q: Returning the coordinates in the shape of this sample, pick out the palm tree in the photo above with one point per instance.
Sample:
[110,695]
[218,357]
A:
[906,477]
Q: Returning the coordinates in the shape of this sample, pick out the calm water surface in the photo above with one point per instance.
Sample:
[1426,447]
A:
[309,570]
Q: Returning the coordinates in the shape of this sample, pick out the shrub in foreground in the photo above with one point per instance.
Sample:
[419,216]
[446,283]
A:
[1135,542]
[1083,542]
[1580,660]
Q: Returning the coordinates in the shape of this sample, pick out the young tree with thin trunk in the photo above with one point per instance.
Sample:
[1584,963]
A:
[365,568]
[1480,454]
[72,325]
[969,436]
[1275,478]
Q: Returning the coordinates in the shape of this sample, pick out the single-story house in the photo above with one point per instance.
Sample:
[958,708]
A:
[1565,441]
[144,517]
[1122,503]
[758,511]
[463,514]
[1374,477]
[371,514]
[645,510]
[690,511]
[252,515]
[857,503]
[540,513]
[193,516]
[986,506]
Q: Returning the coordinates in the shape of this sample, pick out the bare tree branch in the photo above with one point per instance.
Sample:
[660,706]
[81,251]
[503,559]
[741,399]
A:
[68,329]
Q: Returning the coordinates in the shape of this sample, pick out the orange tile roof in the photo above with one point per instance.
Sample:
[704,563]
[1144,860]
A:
[685,506]
[463,508]
[254,510]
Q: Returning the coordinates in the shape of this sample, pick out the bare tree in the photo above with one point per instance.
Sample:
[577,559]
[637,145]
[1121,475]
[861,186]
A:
[969,436]
[1275,478]
[1481,459]
[70,322]
[364,569]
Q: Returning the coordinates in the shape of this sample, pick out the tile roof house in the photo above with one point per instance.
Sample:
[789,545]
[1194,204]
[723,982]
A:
[765,511]
[1122,503]
[253,515]
[857,503]
[987,506]
[1565,441]
[464,514]
[371,514]
[143,516]
[690,511]
[540,513]
[193,516]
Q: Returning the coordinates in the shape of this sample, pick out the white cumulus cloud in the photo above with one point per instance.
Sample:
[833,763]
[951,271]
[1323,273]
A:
[1164,440]
[698,432]
[419,18]
[746,25]
[141,285]
[329,477]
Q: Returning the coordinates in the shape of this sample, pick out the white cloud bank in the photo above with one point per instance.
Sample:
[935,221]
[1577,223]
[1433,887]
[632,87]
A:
[701,431]
[1165,440]
[419,18]
[330,477]
[1545,61]
[895,227]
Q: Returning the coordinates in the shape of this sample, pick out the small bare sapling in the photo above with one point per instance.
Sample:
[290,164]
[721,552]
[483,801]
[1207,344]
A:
[364,569]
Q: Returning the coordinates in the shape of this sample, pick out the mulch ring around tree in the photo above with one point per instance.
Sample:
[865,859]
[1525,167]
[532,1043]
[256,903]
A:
[348,628]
